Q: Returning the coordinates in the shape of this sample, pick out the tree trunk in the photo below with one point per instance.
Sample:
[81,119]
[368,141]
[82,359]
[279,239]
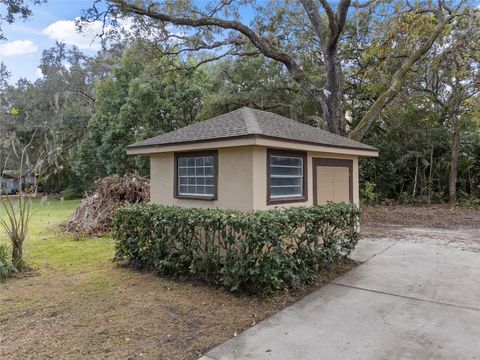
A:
[430,184]
[334,112]
[17,254]
[416,178]
[452,178]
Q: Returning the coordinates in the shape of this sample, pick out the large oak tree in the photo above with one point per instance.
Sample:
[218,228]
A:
[300,35]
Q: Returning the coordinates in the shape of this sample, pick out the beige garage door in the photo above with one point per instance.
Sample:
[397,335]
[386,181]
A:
[332,181]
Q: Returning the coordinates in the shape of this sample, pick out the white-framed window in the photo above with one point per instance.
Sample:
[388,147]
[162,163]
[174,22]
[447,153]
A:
[196,175]
[286,176]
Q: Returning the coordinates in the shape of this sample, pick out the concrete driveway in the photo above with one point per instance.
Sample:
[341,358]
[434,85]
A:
[405,301]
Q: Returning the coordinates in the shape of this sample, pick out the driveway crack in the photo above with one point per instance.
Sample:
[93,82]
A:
[407,297]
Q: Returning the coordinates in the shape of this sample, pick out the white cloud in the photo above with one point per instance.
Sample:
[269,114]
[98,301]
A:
[18,47]
[65,31]
[38,73]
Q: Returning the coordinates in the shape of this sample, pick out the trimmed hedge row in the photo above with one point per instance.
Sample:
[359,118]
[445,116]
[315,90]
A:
[260,251]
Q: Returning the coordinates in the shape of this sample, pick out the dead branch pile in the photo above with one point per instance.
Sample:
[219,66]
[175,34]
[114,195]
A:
[94,215]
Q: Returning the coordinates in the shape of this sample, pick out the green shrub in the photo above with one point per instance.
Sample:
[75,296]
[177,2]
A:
[368,193]
[71,193]
[467,200]
[6,266]
[260,251]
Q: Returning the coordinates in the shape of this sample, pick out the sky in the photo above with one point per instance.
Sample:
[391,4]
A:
[50,22]
[53,21]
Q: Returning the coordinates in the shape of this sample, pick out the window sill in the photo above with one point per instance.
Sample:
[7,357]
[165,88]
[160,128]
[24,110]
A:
[277,201]
[193,197]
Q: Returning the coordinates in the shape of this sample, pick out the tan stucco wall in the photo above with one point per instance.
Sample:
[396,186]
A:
[235,184]
[242,179]
[260,178]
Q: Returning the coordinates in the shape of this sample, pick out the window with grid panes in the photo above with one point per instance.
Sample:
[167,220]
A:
[196,175]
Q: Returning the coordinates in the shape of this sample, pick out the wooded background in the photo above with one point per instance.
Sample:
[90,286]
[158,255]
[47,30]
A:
[402,76]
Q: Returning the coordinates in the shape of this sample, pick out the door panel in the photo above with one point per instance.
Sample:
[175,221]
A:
[333,183]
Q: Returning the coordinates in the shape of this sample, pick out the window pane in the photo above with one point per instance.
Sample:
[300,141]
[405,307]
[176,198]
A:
[182,161]
[182,171]
[286,161]
[280,170]
[209,170]
[200,161]
[286,191]
[296,181]
[209,160]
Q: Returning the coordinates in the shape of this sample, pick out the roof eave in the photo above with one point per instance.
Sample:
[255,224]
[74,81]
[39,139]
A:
[149,149]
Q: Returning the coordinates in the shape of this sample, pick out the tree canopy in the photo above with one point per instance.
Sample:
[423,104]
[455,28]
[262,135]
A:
[306,37]
[402,76]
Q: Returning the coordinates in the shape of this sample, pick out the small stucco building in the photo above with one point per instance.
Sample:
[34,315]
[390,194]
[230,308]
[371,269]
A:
[250,159]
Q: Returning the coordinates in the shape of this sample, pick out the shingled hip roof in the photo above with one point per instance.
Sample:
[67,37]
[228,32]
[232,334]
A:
[246,122]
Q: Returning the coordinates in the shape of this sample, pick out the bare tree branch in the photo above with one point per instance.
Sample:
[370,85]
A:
[314,17]
[359,5]
[264,46]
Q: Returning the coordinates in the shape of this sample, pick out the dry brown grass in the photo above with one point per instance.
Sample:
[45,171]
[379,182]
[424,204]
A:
[115,313]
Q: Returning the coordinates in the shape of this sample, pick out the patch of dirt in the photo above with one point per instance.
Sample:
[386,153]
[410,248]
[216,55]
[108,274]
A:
[117,313]
[438,224]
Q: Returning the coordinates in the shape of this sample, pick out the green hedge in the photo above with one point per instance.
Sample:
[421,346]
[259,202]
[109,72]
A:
[260,251]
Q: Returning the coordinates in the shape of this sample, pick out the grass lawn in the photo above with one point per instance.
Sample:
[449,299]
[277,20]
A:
[48,248]
[80,305]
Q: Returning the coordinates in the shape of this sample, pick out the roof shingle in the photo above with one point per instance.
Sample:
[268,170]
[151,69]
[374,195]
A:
[251,122]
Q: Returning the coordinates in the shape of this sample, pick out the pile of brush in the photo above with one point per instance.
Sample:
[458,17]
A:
[94,215]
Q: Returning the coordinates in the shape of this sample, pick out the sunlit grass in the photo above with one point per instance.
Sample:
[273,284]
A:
[47,247]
